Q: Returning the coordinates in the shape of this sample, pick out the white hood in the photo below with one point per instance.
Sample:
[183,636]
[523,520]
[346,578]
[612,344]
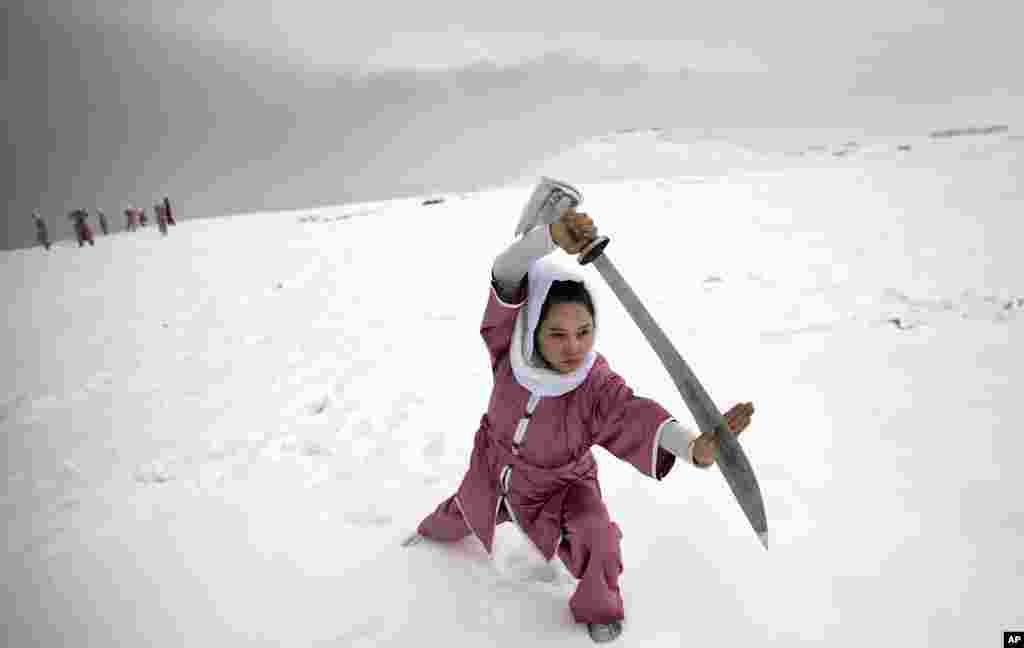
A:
[527,364]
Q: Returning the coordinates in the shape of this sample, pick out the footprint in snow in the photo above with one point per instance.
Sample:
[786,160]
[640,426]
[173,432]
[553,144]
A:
[712,282]
[363,429]
[402,410]
[100,380]
[10,405]
[218,449]
[154,472]
[363,634]
[969,305]
[69,504]
[318,405]
[435,448]
[314,448]
[440,316]
[787,335]
[367,518]
[524,565]
[70,474]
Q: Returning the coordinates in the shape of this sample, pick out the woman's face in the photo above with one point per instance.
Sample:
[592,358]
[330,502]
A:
[566,336]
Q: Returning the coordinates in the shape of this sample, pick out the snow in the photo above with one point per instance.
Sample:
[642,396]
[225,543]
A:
[220,437]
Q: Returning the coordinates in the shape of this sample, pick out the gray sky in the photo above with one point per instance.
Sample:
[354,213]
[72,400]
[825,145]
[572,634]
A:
[260,105]
[809,35]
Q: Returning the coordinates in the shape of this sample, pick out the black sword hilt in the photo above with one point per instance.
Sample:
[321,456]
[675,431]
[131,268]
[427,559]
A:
[593,250]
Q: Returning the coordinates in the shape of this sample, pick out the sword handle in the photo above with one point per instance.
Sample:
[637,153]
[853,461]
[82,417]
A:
[594,249]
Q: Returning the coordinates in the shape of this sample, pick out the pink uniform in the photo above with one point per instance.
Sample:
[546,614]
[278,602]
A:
[548,484]
[83,232]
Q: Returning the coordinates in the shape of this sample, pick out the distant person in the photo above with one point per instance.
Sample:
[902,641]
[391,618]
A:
[83,232]
[161,218]
[143,219]
[131,219]
[103,221]
[168,214]
[42,233]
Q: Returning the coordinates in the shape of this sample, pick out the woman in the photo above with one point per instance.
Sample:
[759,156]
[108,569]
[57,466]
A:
[103,221]
[168,214]
[42,233]
[553,399]
[131,219]
[161,217]
[83,231]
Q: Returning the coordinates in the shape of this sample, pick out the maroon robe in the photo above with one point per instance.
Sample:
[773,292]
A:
[552,486]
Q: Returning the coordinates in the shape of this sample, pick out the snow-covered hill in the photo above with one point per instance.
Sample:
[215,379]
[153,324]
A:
[703,153]
[219,438]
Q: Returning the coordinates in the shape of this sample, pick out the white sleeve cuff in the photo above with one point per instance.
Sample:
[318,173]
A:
[679,441]
[511,265]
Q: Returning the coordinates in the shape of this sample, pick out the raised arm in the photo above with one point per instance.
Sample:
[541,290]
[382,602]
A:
[511,265]
[569,233]
[509,271]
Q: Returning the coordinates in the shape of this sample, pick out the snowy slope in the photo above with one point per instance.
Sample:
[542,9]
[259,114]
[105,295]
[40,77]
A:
[219,438]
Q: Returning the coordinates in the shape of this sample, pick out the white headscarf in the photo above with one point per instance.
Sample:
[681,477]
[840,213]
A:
[527,364]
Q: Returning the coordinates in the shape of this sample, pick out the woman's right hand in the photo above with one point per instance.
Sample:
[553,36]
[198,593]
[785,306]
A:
[573,231]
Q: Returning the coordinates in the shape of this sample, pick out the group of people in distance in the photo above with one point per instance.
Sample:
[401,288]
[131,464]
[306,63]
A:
[134,218]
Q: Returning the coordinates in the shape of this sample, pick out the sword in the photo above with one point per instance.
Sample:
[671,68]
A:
[553,197]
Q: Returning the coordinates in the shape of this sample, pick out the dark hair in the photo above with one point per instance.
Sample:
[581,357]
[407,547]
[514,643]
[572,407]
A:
[563,292]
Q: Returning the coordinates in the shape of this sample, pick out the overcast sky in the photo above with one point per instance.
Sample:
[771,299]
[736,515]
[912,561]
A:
[814,36]
[244,105]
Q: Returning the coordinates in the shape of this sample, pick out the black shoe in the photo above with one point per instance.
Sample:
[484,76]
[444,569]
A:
[604,632]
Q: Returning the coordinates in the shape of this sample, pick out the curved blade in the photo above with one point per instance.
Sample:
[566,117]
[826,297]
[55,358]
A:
[732,460]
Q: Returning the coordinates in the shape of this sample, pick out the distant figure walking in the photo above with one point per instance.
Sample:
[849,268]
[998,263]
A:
[83,232]
[167,212]
[131,219]
[161,218]
[42,234]
[103,221]
[143,219]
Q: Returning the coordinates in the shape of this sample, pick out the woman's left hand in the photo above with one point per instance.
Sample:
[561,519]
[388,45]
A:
[705,447]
